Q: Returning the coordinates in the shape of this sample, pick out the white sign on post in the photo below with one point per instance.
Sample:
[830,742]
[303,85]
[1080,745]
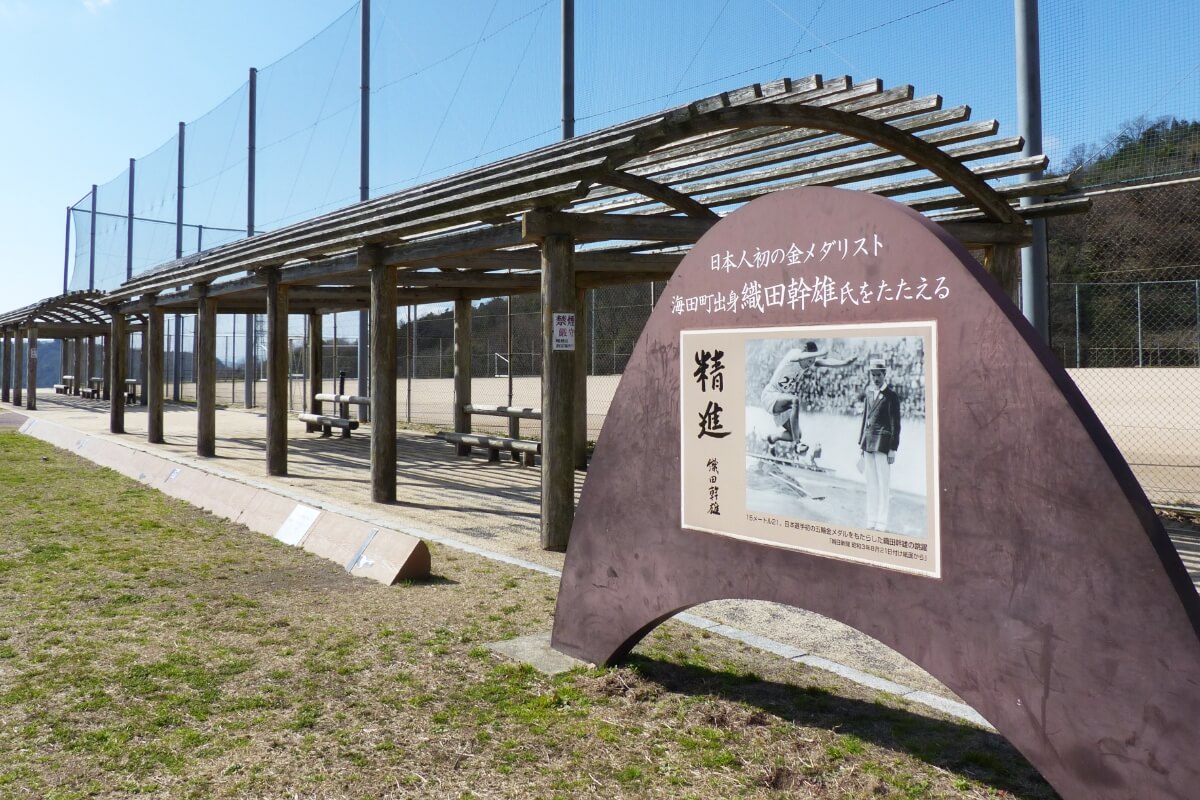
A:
[564,332]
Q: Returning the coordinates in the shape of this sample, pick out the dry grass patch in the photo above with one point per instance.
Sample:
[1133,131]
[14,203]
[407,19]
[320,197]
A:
[149,649]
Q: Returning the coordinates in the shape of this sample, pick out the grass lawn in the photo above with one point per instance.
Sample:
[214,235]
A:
[150,649]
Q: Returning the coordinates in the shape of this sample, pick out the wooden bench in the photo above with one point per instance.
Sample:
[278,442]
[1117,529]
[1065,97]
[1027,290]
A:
[326,424]
[94,389]
[61,388]
[131,385]
[528,450]
[68,384]
[513,413]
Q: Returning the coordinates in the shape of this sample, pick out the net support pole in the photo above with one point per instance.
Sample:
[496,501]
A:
[364,193]
[251,351]
[92,244]
[179,195]
[568,69]
[129,223]
[1034,304]
[67,251]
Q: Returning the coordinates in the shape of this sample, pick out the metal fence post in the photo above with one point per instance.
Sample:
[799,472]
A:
[1077,325]
[1139,322]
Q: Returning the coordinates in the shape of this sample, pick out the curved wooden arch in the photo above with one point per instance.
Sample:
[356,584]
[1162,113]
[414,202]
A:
[830,120]
[83,308]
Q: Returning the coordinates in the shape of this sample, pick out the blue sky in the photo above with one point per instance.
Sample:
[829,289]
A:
[90,83]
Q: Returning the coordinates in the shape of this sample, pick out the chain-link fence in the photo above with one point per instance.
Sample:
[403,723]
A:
[1125,317]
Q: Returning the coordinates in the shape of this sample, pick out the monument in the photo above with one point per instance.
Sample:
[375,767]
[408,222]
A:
[833,406]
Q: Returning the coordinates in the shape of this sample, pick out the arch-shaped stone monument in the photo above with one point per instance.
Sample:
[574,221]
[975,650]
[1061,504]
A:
[1021,564]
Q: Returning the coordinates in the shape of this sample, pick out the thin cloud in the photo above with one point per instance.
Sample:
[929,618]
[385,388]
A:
[96,6]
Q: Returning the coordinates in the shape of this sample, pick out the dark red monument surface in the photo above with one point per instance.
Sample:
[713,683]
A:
[996,536]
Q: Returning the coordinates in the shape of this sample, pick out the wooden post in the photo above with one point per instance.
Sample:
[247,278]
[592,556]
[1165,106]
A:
[119,347]
[1004,262]
[144,359]
[383,377]
[18,365]
[581,370]
[6,379]
[205,355]
[64,363]
[108,390]
[31,392]
[78,371]
[277,373]
[152,343]
[90,370]
[558,395]
[462,369]
[316,355]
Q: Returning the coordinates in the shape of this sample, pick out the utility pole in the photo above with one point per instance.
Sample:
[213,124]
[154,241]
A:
[1034,285]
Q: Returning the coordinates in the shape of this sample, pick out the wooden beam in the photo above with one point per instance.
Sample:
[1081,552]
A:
[206,377]
[460,244]
[539,225]
[462,369]
[558,390]
[277,374]
[979,234]
[657,191]
[383,376]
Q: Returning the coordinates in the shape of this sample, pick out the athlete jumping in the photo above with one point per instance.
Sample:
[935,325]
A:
[781,394]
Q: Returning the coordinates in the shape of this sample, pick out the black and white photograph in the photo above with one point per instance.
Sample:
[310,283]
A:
[836,431]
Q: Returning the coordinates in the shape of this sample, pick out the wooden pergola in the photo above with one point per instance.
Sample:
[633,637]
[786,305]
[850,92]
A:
[79,319]
[616,206]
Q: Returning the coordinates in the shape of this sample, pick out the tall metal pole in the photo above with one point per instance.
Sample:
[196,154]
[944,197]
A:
[92,245]
[129,223]
[364,130]
[251,352]
[67,250]
[568,69]
[364,193]
[251,147]
[179,197]
[1034,303]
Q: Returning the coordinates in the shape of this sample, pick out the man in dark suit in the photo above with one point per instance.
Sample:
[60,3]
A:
[879,438]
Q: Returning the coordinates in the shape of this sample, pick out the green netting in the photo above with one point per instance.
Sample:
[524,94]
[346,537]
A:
[215,174]
[307,128]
